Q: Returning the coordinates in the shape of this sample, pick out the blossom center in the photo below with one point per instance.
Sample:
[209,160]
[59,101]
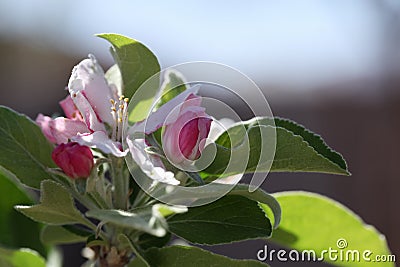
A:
[119,112]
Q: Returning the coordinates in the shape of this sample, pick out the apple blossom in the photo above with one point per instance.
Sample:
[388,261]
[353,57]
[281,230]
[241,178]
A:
[94,111]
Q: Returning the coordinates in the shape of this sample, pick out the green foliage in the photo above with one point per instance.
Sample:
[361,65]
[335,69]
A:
[56,206]
[297,149]
[173,85]
[20,258]
[312,154]
[228,219]
[266,201]
[178,256]
[150,219]
[312,221]
[16,230]
[143,220]
[315,141]
[147,241]
[58,235]
[24,150]
[136,64]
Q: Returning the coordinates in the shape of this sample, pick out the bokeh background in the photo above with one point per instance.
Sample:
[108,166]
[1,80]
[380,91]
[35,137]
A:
[330,65]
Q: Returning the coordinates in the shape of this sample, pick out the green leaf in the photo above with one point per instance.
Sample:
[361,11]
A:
[150,219]
[93,241]
[297,149]
[24,150]
[58,235]
[267,202]
[228,219]
[56,206]
[174,83]
[144,220]
[311,221]
[177,256]
[139,253]
[137,64]
[21,258]
[113,76]
[311,155]
[147,241]
[16,230]
[167,210]
[314,141]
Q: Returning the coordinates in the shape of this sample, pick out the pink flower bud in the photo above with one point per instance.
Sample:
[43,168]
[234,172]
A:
[185,137]
[75,160]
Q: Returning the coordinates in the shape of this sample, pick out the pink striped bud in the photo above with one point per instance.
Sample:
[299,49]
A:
[75,160]
[185,137]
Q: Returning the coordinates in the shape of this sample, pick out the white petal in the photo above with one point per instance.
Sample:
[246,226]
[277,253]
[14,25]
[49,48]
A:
[147,165]
[87,111]
[157,118]
[101,141]
[88,78]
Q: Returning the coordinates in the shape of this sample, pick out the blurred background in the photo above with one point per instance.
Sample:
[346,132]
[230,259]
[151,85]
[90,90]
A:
[330,65]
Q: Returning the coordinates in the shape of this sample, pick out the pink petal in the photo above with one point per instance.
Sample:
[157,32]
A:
[87,112]
[60,130]
[183,138]
[94,86]
[191,101]
[43,122]
[101,141]
[157,118]
[178,138]
[204,125]
[70,109]
[63,129]
[189,139]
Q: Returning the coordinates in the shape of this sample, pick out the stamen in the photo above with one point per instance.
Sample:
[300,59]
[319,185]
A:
[114,115]
[119,113]
[125,109]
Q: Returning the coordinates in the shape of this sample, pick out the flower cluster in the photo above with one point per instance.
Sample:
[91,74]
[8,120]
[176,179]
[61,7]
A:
[95,113]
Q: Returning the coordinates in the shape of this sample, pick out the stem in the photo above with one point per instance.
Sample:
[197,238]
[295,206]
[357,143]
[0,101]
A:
[143,196]
[140,199]
[94,227]
[120,182]
[137,251]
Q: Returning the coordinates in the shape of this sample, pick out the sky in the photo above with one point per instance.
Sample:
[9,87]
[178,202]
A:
[298,44]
